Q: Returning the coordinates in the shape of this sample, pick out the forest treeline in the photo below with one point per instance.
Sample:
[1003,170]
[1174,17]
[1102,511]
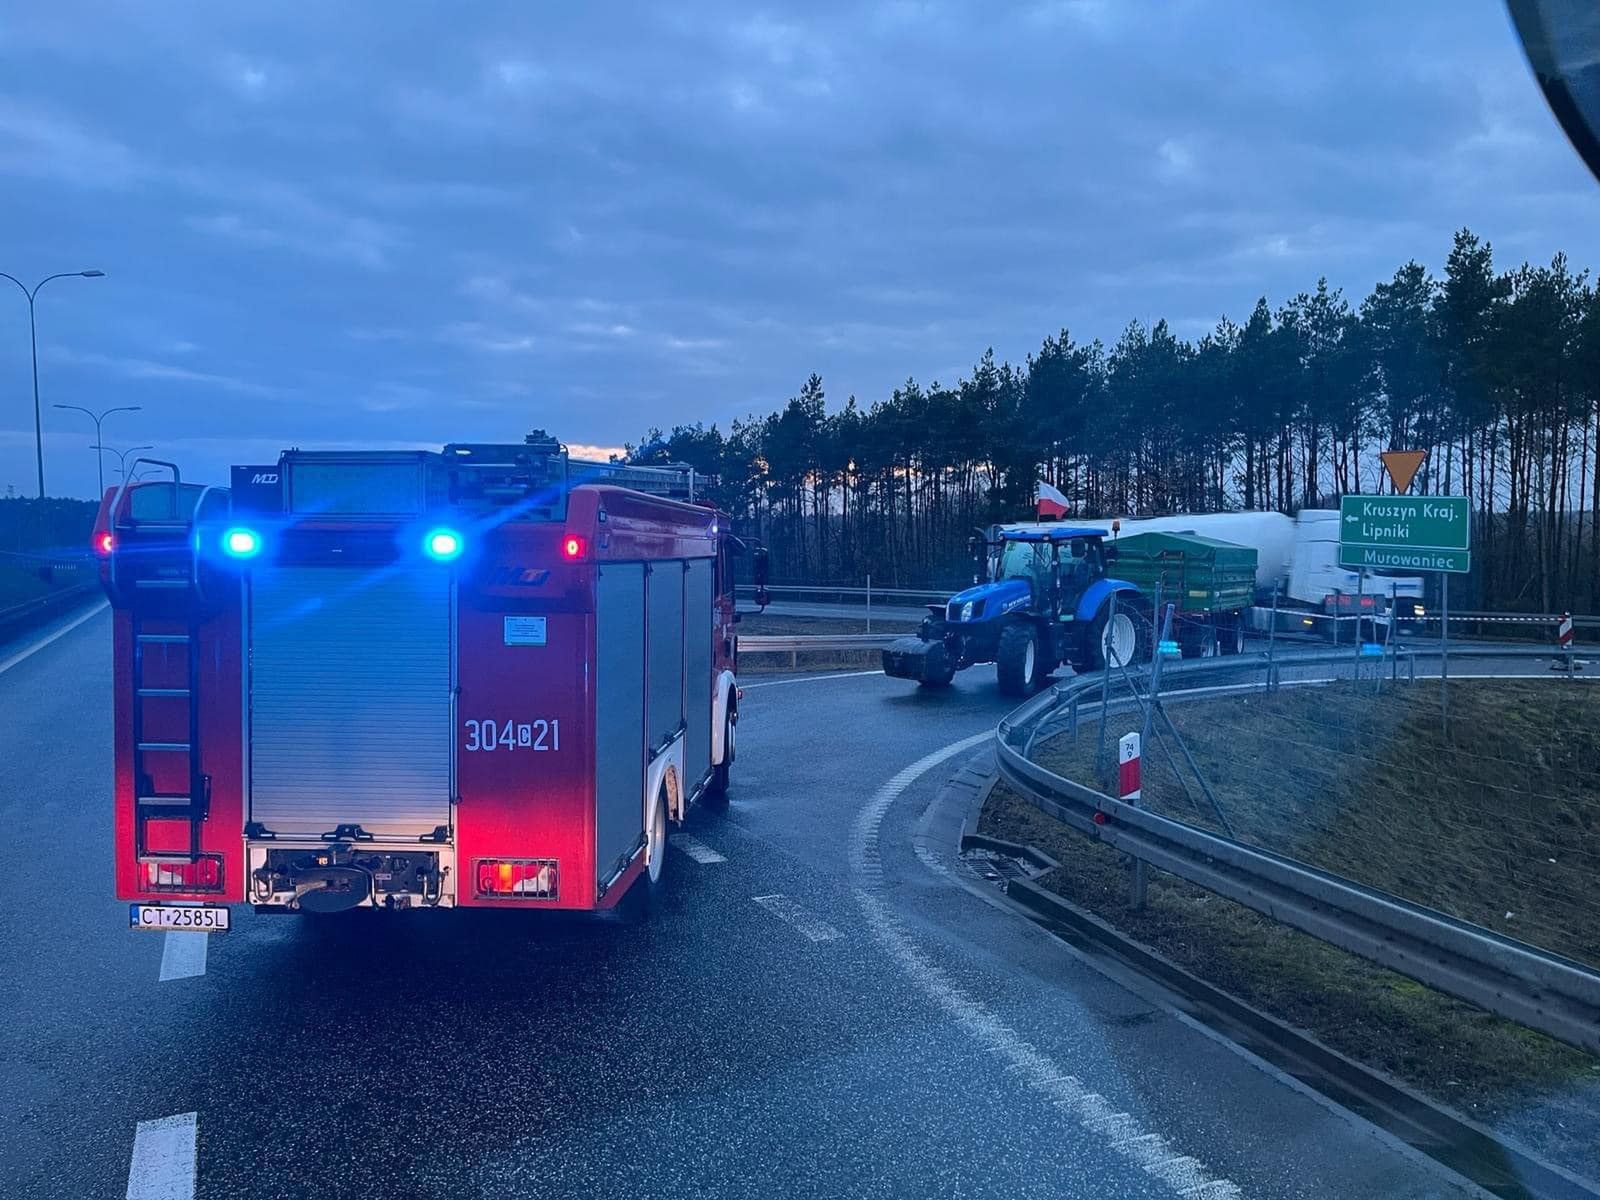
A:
[1495,373]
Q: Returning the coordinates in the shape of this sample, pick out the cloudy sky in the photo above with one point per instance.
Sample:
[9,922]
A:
[407,223]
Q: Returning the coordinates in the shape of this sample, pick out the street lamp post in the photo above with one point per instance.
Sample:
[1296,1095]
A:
[122,459]
[33,340]
[97,418]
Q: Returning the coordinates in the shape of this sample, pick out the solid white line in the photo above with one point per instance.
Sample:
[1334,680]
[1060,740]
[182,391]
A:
[183,955]
[812,928]
[1118,1131]
[163,1159]
[45,641]
[810,679]
[695,849]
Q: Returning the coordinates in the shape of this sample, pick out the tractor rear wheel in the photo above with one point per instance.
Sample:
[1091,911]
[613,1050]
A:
[1124,640]
[1016,662]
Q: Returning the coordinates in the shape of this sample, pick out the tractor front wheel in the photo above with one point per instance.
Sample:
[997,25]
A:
[1017,665]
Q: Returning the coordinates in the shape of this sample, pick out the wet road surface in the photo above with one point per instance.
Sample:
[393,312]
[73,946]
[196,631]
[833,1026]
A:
[818,1010]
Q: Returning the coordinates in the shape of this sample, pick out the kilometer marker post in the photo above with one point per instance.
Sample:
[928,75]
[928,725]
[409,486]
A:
[1130,792]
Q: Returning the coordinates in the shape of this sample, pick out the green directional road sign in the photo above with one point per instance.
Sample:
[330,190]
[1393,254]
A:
[1397,533]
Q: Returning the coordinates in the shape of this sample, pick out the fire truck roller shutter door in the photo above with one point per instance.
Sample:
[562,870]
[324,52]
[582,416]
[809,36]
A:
[619,634]
[664,653]
[697,673]
[350,699]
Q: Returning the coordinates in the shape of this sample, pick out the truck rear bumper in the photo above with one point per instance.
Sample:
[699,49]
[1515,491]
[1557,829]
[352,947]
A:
[319,877]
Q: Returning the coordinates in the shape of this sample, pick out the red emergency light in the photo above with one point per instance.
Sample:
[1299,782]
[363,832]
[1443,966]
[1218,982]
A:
[530,878]
[572,547]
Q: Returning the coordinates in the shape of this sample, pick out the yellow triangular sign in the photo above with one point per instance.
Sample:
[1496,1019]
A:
[1402,467]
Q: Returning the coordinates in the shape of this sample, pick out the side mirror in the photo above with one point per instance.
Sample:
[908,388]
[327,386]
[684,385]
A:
[762,567]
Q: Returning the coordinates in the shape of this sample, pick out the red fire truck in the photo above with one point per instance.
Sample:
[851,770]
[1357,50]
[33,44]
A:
[484,677]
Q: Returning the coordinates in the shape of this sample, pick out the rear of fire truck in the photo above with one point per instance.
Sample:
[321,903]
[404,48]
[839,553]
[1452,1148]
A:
[412,679]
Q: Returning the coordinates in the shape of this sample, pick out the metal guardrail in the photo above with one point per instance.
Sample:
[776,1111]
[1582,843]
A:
[918,595]
[759,643]
[794,644]
[1513,979]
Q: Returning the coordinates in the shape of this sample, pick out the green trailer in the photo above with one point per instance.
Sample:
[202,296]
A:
[1212,582]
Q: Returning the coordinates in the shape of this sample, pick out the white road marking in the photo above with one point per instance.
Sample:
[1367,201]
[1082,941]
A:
[183,955]
[7,664]
[1148,1151]
[810,679]
[695,849]
[163,1159]
[807,925]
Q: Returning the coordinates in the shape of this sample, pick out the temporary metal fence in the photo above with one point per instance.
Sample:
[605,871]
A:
[1514,979]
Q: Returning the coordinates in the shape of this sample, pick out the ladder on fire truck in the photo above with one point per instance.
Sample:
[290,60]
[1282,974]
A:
[161,577]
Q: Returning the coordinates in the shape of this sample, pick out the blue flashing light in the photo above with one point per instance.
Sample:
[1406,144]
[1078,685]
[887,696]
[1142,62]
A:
[1169,648]
[240,542]
[443,544]
[1371,650]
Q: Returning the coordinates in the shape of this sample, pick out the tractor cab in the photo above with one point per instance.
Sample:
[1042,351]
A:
[1058,565]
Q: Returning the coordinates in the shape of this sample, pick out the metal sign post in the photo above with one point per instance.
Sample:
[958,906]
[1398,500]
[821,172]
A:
[1444,654]
[1105,688]
[1272,634]
[1360,595]
[1141,875]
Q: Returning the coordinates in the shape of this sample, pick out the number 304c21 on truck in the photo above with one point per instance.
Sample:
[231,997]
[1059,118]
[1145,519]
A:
[484,677]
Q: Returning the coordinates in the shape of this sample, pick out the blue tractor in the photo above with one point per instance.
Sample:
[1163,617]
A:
[1043,600]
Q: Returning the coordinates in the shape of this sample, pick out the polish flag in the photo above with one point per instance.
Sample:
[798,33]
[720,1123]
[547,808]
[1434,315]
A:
[1051,503]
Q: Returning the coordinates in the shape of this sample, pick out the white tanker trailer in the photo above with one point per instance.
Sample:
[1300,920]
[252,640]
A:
[1297,556]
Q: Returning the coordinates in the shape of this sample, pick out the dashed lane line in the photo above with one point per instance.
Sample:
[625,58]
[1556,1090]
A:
[807,924]
[183,955]
[696,849]
[19,656]
[163,1158]
[1119,1131]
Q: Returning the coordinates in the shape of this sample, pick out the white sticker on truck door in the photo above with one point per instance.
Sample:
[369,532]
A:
[525,631]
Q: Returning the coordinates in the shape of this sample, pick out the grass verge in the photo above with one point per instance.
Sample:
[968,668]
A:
[1525,1085]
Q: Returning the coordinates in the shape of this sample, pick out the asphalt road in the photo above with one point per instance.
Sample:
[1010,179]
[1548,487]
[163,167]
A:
[823,1008]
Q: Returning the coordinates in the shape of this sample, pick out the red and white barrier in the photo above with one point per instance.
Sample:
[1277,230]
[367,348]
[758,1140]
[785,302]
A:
[1564,632]
[1128,768]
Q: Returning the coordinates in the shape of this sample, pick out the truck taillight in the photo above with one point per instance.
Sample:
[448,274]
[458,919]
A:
[202,876]
[572,547]
[103,542]
[529,878]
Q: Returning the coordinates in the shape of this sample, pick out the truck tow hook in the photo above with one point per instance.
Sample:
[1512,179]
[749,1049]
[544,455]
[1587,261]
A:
[331,889]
